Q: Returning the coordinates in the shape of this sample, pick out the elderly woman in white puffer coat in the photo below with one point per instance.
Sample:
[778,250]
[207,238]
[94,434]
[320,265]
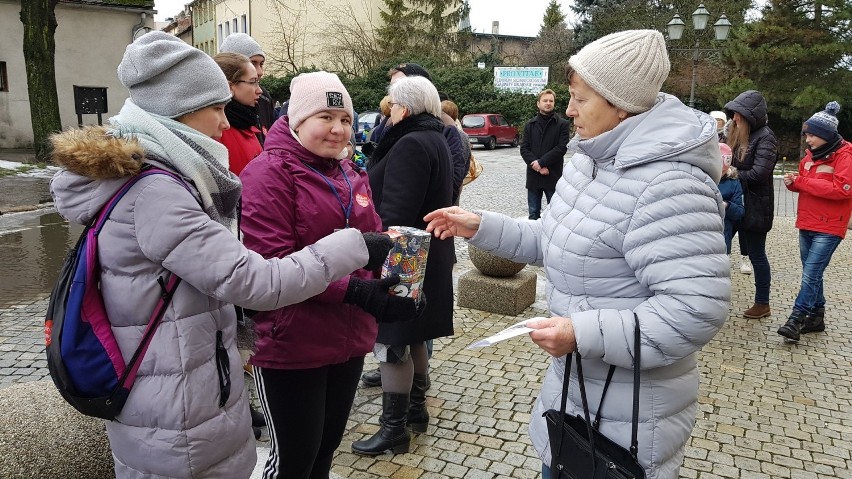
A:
[635,227]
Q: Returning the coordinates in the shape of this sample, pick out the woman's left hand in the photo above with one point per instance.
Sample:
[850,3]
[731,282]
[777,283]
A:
[554,335]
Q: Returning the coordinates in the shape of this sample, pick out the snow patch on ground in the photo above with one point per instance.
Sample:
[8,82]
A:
[29,171]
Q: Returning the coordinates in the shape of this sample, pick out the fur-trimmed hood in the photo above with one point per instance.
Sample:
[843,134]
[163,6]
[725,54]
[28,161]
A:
[94,153]
[95,165]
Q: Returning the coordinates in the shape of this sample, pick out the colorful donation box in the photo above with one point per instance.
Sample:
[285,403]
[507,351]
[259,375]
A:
[407,259]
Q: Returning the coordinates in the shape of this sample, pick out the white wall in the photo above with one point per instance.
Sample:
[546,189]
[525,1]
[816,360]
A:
[89,45]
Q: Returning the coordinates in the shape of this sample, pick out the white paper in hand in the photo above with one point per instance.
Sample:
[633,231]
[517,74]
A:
[514,330]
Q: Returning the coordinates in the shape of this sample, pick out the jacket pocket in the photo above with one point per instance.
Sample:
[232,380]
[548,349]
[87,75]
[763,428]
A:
[223,368]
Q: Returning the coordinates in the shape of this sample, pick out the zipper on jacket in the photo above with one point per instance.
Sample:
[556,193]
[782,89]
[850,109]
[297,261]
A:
[223,367]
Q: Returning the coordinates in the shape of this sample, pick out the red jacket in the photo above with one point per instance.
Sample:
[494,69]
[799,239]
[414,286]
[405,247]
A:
[286,207]
[825,192]
[243,146]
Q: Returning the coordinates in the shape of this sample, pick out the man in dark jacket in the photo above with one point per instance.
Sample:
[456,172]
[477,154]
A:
[543,150]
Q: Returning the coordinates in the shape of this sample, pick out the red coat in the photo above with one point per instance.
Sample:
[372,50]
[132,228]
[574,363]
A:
[243,146]
[287,206]
[825,192]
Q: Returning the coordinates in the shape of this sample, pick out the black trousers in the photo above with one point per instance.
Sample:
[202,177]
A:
[306,411]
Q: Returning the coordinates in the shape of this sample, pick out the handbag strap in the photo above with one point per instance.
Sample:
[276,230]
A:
[637,354]
[566,380]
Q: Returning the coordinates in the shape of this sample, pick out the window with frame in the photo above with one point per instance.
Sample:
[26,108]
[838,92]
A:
[245,23]
[4,79]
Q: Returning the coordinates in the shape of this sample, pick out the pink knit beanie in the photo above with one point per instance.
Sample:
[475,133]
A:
[311,93]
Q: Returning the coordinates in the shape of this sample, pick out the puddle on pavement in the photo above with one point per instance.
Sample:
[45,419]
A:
[32,248]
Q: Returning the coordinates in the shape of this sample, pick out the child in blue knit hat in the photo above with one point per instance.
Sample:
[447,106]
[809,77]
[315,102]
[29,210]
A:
[824,184]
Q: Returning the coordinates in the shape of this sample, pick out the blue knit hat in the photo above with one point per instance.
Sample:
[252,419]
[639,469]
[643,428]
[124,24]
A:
[824,123]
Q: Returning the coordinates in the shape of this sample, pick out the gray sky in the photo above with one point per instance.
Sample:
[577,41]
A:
[516,17]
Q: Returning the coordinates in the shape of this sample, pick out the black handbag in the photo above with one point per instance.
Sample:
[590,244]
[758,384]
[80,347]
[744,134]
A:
[578,450]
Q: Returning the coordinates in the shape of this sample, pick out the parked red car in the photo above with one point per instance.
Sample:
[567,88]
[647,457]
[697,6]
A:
[489,129]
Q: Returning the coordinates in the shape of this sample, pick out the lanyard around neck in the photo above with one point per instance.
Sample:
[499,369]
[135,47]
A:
[347,210]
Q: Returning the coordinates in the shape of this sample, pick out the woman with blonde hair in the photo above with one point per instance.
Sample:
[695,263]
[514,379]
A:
[755,151]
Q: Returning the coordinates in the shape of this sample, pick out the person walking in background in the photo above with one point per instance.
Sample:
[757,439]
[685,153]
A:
[411,175]
[243,44]
[543,149]
[635,227]
[309,355]
[755,151]
[187,414]
[244,139]
[824,184]
[732,195]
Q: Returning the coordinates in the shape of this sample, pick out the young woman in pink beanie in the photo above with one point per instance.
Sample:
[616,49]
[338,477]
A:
[309,356]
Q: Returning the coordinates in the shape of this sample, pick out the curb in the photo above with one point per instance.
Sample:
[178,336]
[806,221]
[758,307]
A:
[25,208]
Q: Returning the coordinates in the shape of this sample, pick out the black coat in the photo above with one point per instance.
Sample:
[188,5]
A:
[415,178]
[545,140]
[756,166]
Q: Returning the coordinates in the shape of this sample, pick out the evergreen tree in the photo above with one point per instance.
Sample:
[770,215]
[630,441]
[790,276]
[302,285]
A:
[412,27]
[554,44]
[553,18]
[398,21]
[438,32]
[797,56]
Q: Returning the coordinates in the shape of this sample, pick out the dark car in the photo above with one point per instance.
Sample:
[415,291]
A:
[365,123]
[490,130]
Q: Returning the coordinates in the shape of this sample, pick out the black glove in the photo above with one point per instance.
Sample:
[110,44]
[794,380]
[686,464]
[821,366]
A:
[378,246]
[372,296]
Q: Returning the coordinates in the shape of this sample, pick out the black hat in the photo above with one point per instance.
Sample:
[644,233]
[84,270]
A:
[412,69]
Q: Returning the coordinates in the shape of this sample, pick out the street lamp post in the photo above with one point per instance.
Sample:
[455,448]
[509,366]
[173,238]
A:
[700,18]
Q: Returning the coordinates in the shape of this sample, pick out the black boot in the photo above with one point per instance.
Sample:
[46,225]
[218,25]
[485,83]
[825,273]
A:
[393,435]
[793,326]
[418,414]
[372,378]
[814,322]
[257,419]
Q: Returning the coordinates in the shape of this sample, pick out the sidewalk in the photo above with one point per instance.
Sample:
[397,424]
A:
[767,409]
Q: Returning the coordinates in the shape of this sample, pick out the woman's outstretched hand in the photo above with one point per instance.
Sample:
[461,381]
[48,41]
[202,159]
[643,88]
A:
[453,221]
[554,335]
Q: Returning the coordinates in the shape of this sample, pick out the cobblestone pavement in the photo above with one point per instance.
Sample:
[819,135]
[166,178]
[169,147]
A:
[767,409]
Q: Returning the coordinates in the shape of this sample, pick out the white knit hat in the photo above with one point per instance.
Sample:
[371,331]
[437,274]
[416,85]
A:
[168,77]
[311,93]
[627,68]
[243,44]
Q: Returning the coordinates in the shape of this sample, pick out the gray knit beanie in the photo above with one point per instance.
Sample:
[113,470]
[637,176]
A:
[168,77]
[627,68]
[311,93]
[824,123]
[243,44]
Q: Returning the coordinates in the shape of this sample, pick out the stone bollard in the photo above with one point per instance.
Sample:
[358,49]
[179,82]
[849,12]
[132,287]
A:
[498,287]
[42,436]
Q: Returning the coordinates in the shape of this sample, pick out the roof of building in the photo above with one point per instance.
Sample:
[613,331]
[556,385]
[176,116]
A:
[145,4]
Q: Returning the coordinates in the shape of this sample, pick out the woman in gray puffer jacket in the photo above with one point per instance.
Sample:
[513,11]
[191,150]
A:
[635,227]
[187,415]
